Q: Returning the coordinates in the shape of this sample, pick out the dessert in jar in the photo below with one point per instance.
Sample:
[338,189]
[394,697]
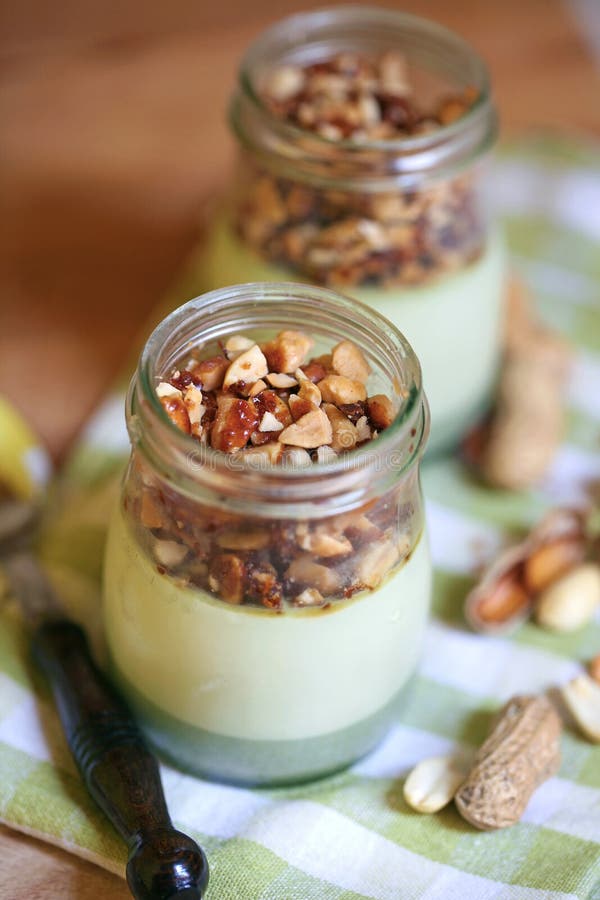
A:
[363,135]
[267,573]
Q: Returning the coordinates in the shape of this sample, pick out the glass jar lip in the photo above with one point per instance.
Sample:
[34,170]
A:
[347,471]
[307,22]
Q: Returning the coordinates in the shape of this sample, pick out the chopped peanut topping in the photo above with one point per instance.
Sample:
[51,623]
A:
[195,408]
[310,392]
[236,344]
[248,367]
[270,453]
[351,95]
[297,457]
[150,512]
[210,372]
[300,407]
[169,553]
[310,431]
[243,540]
[175,408]
[348,360]
[323,544]
[165,390]
[280,380]
[227,577]
[284,82]
[344,433]
[235,421]
[340,390]
[288,351]
[363,432]
[273,394]
[270,406]
[304,571]
[257,387]
[342,236]
[270,423]
[326,454]
[309,597]
[381,410]
[376,561]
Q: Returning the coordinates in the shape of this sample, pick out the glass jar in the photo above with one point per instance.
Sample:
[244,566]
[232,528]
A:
[400,224]
[213,563]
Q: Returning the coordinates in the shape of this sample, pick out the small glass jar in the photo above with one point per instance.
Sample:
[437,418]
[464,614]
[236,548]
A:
[213,564]
[400,224]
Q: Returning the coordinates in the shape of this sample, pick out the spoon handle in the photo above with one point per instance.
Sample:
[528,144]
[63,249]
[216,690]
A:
[118,769]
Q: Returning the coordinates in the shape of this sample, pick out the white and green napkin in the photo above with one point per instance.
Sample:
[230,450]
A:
[352,836]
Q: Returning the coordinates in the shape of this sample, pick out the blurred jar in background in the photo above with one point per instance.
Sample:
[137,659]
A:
[363,136]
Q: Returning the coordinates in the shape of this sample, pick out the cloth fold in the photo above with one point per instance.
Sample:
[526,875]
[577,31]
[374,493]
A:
[352,836]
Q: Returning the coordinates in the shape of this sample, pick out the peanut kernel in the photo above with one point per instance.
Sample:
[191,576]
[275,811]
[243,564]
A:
[338,389]
[310,431]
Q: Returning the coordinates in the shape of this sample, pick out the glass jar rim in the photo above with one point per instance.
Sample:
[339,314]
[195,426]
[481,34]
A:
[447,148]
[197,469]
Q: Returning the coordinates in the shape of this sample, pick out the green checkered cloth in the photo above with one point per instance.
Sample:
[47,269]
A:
[352,836]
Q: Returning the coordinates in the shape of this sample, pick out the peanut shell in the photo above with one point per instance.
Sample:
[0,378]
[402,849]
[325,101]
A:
[521,752]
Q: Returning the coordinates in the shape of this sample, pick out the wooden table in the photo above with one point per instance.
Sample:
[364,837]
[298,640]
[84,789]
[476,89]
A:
[113,139]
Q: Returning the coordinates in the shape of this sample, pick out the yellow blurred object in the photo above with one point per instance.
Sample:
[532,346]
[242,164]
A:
[24,464]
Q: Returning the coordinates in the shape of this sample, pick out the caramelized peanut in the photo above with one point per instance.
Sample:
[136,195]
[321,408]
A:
[176,410]
[235,421]
[341,390]
[287,352]
[226,577]
[310,431]
[381,411]
[348,360]
[211,372]
[344,434]
[248,367]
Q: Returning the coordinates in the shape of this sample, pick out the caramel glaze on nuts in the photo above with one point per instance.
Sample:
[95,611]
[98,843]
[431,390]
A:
[253,395]
[347,237]
[272,405]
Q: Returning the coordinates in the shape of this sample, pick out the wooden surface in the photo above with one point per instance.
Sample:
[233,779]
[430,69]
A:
[113,139]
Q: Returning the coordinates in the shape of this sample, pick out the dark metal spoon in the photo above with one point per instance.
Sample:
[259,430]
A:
[119,771]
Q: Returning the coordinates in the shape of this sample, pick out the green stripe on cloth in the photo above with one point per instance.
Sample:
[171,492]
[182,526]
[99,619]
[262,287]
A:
[554,863]
[258,869]
[450,712]
[528,856]
[582,644]
[449,483]
[55,803]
